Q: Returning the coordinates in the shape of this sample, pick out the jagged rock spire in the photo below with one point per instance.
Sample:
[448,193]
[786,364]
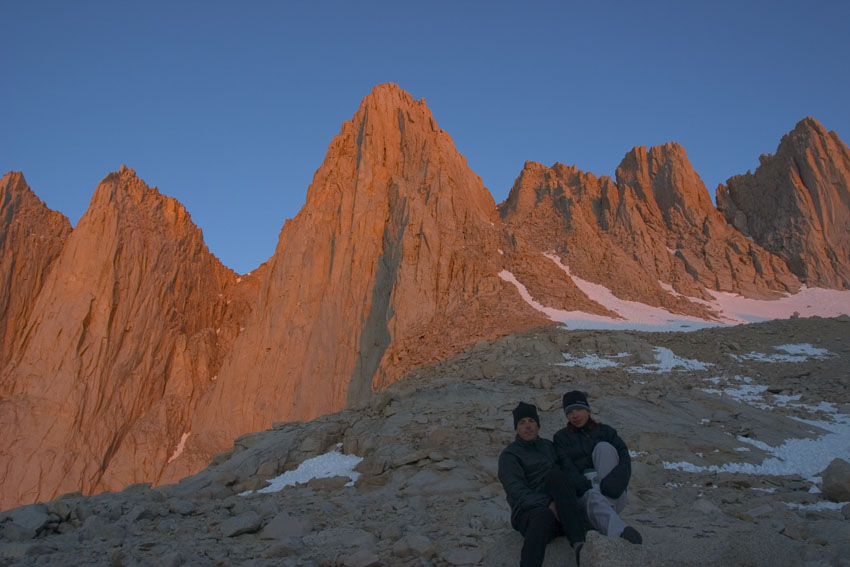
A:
[127,331]
[797,204]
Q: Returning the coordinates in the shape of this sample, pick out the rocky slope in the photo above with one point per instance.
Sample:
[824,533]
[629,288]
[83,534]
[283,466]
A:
[797,204]
[30,241]
[427,494]
[656,225]
[129,329]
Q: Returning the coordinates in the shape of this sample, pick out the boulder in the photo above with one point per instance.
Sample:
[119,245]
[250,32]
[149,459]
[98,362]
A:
[836,481]
[285,525]
[243,524]
[29,519]
[599,551]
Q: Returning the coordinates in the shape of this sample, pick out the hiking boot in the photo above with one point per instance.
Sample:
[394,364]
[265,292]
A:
[631,535]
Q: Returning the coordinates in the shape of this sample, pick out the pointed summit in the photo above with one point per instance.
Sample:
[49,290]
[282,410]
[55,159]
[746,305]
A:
[807,130]
[392,263]
[797,204]
[655,228]
[143,314]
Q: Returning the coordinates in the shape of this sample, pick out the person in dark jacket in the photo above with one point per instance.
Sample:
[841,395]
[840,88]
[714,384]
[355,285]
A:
[542,500]
[598,465]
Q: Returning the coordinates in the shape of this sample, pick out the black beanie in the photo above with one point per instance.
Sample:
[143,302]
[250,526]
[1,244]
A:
[525,410]
[575,400]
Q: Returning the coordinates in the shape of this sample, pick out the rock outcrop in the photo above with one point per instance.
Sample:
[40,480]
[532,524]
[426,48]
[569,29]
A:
[31,237]
[656,225]
[797,204]
[392,263]
[129,329]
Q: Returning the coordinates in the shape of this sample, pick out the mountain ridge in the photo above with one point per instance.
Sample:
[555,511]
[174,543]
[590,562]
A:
[399,258]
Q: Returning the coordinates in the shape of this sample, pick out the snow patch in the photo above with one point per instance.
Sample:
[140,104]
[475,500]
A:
[523,292]
[732,309]
[821,505]
[179,450]
[746,393]
[589,361]
[793,353]
[666,361]
[805,457]
[328,465]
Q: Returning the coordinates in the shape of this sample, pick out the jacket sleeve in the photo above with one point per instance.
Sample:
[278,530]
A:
[578,480]
[617,480]
[512,477]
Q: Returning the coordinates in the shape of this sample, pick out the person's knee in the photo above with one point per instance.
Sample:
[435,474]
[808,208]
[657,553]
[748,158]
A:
[605,458]
[541,518]
[604,446]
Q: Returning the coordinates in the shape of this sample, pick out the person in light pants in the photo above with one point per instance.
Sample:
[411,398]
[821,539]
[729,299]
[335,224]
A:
[598,464]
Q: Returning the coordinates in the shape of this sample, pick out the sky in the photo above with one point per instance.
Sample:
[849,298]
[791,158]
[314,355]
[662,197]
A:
[230,106]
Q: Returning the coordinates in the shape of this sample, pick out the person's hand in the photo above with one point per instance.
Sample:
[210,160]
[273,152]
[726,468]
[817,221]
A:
[554,511]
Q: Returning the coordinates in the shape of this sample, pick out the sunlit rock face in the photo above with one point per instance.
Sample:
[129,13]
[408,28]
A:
[128,330]
[797,204]
[392,263]
[130,354]
[31,237]
[655,225]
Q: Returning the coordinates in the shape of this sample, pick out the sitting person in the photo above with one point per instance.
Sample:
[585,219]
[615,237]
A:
[543,503]
[598,465]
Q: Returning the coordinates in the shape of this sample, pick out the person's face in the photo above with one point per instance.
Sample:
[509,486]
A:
[527,429]
[578,416]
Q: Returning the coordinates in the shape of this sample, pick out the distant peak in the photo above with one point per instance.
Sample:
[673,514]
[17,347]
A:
[388,97]
[809,124]
[381,88]
[807,134]
[533,166]
[14,180]
[669,147]
[126,171]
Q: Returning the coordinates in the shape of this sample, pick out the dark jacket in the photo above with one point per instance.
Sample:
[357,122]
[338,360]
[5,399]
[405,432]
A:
[575,454]
[522,470]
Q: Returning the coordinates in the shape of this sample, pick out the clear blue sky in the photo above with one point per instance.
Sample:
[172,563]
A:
[230,106]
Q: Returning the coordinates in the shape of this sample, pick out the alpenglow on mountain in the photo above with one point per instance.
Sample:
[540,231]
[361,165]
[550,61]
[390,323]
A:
[131,354]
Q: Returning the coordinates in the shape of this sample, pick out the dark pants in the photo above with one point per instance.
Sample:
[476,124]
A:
[539,526]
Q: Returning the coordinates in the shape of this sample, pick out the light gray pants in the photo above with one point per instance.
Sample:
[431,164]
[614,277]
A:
[602,512]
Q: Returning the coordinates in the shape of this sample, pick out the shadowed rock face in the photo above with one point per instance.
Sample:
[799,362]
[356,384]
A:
[129,328]
[797,204]
[655,225]
[31,237]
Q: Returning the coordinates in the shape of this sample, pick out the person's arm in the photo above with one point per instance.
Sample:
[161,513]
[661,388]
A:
[512,477]
[577,479]
[615,483]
